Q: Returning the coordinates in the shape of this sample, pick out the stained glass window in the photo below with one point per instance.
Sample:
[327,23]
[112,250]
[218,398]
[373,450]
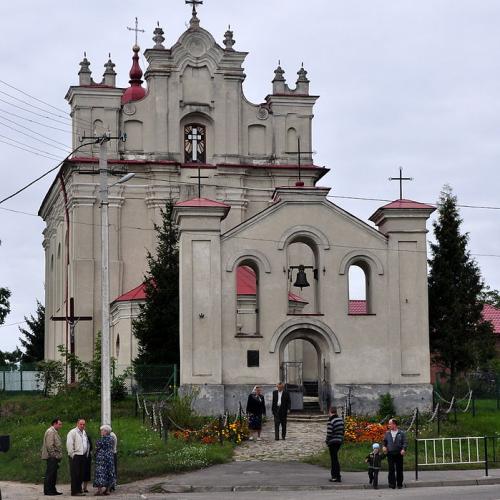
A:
[194,143]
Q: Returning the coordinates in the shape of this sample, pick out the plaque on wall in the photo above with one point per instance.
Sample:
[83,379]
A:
[129,108]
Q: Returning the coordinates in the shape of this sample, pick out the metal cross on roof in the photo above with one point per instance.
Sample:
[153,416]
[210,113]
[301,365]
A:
[400,179]
[299,154]
[199,177]
[194,3]
[136,29]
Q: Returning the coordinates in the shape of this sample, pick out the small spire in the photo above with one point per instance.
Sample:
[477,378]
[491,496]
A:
[110,73]
[278,73]
[302,75]
[85,73]
[228,39]
[158,38]
[194,22]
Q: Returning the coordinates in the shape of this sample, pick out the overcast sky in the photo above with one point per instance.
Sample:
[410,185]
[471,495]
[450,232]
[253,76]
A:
[402,82]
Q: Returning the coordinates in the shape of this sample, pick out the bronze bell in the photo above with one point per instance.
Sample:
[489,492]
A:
[301,280]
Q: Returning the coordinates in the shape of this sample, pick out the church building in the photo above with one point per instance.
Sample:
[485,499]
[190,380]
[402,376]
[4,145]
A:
[265,257]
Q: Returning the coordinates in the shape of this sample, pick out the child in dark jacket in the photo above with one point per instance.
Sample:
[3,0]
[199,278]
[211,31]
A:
[374,461]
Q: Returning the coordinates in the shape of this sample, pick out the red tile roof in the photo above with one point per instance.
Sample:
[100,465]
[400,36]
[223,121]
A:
[357,307]
[137,293]
[407,204]
[201,202]
[492,314]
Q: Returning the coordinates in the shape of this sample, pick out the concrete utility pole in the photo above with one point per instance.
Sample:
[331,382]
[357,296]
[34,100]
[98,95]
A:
[105,334]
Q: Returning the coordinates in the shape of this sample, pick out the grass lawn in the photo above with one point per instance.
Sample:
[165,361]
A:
[485,423]
[141,453]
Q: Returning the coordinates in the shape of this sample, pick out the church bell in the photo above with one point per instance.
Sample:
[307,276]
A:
[301,280]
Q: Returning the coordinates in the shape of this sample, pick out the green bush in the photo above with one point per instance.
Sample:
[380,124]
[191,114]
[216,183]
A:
[179,410]
[386,406]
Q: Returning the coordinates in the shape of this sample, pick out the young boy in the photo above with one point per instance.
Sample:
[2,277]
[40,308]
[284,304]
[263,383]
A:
[374,461]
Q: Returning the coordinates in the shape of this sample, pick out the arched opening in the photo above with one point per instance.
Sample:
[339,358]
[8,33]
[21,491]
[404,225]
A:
[303,277]
[117,347]
[305,356]
[291,139]
[195,145]
[359,289]
[247,299]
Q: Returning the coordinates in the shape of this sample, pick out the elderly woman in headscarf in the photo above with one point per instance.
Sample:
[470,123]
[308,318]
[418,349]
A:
[256,409]
[104,463]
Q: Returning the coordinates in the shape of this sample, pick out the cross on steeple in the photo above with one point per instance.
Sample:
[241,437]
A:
[400,179]
[199,177]
[194,3]
[136,29]
[299,154]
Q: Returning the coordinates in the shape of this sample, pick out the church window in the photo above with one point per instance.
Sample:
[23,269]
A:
[247,299]
[117,347]
[194,143]
[252,359]
[359,302]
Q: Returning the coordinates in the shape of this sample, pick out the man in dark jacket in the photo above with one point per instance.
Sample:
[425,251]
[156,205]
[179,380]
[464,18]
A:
[395,445]
[280,408]
[334,440]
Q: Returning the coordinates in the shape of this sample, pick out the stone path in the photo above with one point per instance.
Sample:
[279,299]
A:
[302,439]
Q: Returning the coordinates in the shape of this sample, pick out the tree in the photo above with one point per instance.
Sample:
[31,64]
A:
[34,336]
[491,297]
[460,339]
[157,325]
[4,304]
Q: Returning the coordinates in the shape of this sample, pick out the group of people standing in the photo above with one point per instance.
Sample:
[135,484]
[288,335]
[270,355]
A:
[394,449]
[80,451]
[394,445]
[256,410]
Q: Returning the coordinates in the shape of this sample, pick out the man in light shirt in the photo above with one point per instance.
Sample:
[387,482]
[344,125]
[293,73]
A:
[77,445]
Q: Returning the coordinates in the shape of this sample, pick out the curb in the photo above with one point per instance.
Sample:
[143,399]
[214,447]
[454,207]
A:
[186,488]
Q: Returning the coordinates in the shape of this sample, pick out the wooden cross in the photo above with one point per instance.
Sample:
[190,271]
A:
[136,29]
[400,179]
[199,177]
[299,153]
[71,320]
[194,3]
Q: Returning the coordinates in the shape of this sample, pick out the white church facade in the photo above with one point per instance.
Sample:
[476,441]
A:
[264,256]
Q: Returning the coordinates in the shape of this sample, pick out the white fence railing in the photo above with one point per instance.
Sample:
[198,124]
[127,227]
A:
[19,380]
[450,451]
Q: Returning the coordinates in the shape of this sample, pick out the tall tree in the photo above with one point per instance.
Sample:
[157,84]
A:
[4,304]
[491,297]
[157,325]
[33,342]
[459,338]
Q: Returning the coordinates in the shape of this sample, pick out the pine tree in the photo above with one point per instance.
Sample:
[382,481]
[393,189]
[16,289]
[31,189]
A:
[33,342]
[157,325]
[4,304]
[459,338]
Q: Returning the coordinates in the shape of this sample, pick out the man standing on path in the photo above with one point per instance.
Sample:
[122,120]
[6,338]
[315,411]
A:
[395,445]
[77,444]
[280,408]
[334,440]
[52,453]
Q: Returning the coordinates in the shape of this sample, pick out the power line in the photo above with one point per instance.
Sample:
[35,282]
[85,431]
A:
[67,131]
[13,324]
[34,113]
[33,137]
[29,146]
[24,149]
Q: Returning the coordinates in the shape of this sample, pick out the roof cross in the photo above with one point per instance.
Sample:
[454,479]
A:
[194,3]
[136,29]
[299,154]
[400,179]
[199,177]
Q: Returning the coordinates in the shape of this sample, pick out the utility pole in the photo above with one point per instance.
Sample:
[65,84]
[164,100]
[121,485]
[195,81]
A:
[105,334]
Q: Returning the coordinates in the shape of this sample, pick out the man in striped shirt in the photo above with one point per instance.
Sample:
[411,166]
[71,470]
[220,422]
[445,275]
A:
[334,440]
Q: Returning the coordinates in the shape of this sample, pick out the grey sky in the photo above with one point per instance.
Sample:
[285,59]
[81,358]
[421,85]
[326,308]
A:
[402,82]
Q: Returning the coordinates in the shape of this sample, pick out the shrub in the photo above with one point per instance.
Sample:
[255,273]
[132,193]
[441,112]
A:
[386,406]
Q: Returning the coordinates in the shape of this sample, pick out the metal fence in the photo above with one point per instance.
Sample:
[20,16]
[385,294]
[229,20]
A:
[19,380]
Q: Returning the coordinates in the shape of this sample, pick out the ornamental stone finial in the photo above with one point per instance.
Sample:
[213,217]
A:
[158,38]
[85,74]
[228,39]
[279,80]
[302,75]
[110,73]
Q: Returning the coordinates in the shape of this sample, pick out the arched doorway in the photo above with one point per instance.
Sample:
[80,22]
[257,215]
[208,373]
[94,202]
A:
[305,352]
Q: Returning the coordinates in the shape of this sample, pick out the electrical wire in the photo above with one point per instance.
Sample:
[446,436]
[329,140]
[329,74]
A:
[67,131]
[28,150]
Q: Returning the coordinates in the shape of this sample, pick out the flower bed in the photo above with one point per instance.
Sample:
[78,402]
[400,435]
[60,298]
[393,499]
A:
[358,430]
[213,432]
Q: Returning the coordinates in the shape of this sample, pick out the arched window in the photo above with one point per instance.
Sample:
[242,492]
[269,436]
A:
[194,143]
[117,347]
[247,299]
[359,290]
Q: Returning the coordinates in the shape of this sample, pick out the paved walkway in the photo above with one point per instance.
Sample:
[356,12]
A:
[302,439]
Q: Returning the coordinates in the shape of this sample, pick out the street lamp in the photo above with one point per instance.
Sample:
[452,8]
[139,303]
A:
[105,337]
